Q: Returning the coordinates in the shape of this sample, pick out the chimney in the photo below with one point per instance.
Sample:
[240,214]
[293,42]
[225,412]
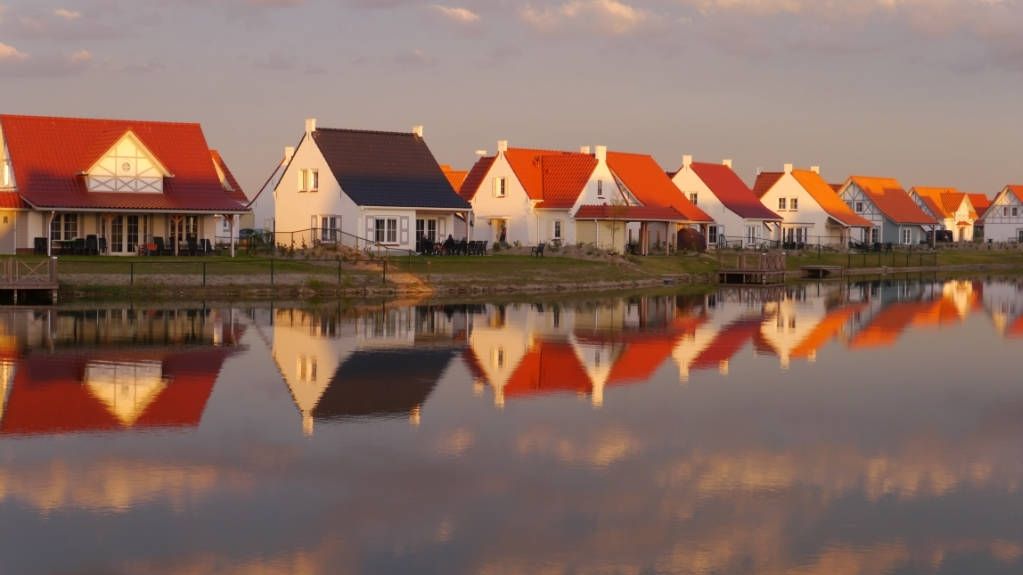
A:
[584,149]
[727,162]
[788,168]
[815,169]
[502,146]
[600,152]
[417,130]
[310,125]
[687,161]
[289,151]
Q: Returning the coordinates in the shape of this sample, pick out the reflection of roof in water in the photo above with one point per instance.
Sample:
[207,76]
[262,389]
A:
[381,383]
[727,343]
[548,367]
[50,392]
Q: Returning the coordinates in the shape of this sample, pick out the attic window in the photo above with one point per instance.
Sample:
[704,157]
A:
[5,174]
[500,187]
[781,203]
[308,180]
[600,188]
[693,197]
[859,207]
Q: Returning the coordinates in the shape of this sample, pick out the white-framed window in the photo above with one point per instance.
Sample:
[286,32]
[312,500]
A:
[1015,211]
[557,229]
[859,207]
[500,187]
[329,228]
[308,180]
[6,173]
[906,235]
[426,228]
[600,188]
[794,204]
[64,227]
[693,196]
[781,203]
[712,234]
[386,231]
[875,235]
[751,233]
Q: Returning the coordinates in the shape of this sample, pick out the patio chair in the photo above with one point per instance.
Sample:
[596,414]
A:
[102,246]
[161,249]
[193,246]
[92,245]
[537,250]
[207,247]
[39,246]
[78,246]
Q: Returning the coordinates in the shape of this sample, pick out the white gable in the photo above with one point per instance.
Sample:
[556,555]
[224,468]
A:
[128,166]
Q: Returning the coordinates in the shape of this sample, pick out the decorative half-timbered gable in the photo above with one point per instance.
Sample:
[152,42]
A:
[1003,219]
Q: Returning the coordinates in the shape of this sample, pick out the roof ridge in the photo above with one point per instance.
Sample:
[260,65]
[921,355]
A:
[364,131]
[84,119]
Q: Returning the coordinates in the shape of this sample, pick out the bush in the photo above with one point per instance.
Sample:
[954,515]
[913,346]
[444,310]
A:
[496,247]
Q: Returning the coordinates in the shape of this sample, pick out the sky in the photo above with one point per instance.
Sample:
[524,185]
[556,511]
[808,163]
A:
[927,91]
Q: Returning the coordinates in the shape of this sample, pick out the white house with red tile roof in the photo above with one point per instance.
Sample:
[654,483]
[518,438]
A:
[951,208]
[739,217]
[812,213]
[111,186]
[895,217]
[1003,219]
[530,196]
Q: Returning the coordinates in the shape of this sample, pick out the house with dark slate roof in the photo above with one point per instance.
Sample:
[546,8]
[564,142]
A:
[361,187]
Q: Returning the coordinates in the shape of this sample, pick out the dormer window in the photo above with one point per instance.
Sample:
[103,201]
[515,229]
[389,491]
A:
[128,166]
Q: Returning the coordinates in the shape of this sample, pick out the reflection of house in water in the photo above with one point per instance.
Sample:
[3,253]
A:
[108,370]
[733,318]
[1004,303]
[381,364]
[917,305]
[805,319]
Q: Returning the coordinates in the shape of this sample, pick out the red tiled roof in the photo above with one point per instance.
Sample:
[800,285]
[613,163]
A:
[651,185]
[640,360]
[554,178]
[49,155]
[828,199]
[732,191]
[766,181]
[629,213]
[11,201]
[1016,191]
[727,343]
[893,201]
[474,179]
[235,190]
[455,177]
[980,203]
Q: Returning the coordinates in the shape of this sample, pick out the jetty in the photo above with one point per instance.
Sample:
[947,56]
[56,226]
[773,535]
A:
[22,280]
[751,268]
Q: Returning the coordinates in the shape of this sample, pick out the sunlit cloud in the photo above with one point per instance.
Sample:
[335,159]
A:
[10,53]
[610,16]
[66,14]
[81,56]
[456,14]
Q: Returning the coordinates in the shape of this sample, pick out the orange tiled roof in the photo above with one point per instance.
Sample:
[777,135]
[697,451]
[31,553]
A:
[641,359]
[828,199]
[554,178]
[943,202]
[893,201]
[1016,191]
[651,185]
[980,203]
[232,188]
[548,367]
[455,177]
[766,181]
[829,328]
[729,341]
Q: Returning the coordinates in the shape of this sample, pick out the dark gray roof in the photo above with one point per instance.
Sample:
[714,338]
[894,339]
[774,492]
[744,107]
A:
[386,169]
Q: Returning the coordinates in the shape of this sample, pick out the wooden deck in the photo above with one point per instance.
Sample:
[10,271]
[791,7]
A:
[751,268]
[33,279]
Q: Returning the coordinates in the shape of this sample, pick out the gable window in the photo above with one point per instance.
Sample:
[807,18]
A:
[386,231]
[308,180]
[500,187]
[794,204]
[557,229]
[781,203]
[64,227]
[5,174]
[1005,211]
[127,166]
[693,197]
[600,188]
[859,207]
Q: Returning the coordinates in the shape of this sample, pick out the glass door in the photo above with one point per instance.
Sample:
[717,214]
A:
[117,235]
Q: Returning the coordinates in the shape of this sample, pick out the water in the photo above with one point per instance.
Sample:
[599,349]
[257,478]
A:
[874,428]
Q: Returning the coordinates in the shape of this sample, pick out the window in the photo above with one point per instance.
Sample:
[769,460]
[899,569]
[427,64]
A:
[794,204]
[600,188]
[1005,211]
[693,197]
[1015,211]
[781,203]
[875,235]
[386,231]
[751,234]
[712,234]
[859,207]
[5,174]
[907,235]
[329,228]
[500,187]
[308,180]
[557,229]
[64,227]
[426,228]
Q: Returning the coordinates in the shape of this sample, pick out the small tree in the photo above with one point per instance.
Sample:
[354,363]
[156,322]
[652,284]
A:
[617,210]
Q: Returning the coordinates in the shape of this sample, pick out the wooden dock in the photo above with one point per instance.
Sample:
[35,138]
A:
[751,268]
[821,272]
[22,280]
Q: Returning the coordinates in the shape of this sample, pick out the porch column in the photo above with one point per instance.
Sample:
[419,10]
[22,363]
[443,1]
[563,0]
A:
[644,238]
[175,238]
[49,234]
[234,225]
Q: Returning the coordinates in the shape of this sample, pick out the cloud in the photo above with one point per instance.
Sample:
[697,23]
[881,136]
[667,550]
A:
[456,14]
[66,14]
[610,16]
[416,58]
[81,56]
[10,53]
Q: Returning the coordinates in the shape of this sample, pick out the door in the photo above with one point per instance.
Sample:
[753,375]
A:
[7,232]
[117,235]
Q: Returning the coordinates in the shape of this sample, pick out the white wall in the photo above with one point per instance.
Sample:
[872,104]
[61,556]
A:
[515,207]
[809,214]
[727,221]
[999,223]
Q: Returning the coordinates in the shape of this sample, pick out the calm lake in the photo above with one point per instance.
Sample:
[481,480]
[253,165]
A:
[820,429]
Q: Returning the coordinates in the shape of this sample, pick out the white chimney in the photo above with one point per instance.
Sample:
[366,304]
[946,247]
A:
[584,149]
[310,125]
[815,169]
[727,162]
[289,151]
[600,152]
[502,146]
[788,168]
[417,130]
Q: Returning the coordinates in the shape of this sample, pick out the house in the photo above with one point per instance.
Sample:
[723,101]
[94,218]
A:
[951,208]
[811,211]
[365,188]
[739,217]
[110,186]
[1003,219]
[980,203]
[895,218]
[530,196]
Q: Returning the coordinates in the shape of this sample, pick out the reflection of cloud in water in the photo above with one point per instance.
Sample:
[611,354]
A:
[600,450]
